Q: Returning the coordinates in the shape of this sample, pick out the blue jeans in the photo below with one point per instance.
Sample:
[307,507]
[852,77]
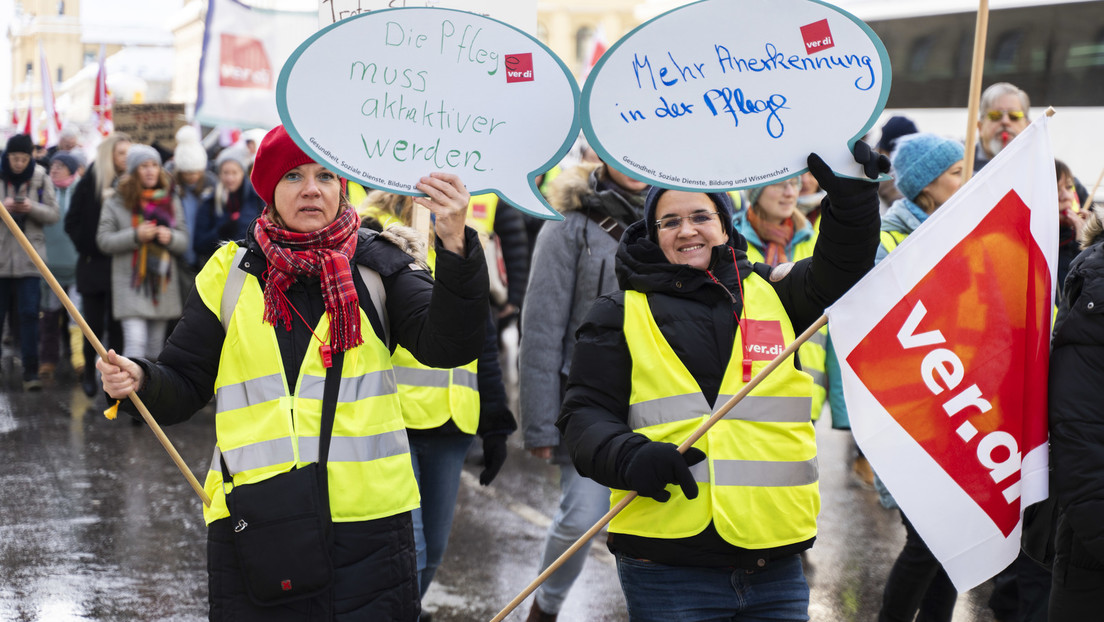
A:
[26,291]
[582,502]
[438,461]
[660,593]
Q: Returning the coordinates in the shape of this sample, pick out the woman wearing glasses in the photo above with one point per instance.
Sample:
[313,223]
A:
[695,320]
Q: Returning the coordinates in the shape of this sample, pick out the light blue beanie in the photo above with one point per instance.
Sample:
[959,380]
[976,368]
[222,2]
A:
[920,158]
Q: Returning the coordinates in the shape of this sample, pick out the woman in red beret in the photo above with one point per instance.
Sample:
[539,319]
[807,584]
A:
[290,329]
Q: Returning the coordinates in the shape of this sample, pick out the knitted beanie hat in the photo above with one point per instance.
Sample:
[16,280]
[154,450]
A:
[189,155]
[720,199]
[237,153]
[895,128]
[920,158]
[277,155]
[137,154]
[68,160]
[20,143]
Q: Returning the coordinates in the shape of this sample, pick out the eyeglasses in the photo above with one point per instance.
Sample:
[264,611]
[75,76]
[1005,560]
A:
[997,115]
[672,223]
[793,182]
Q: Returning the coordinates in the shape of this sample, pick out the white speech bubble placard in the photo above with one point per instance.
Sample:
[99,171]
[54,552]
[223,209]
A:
[727,94]
[387,97]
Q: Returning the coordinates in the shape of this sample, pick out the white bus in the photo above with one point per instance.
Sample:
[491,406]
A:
[1053,50]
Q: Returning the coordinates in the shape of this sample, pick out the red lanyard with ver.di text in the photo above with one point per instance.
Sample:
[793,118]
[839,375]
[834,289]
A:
[742,322]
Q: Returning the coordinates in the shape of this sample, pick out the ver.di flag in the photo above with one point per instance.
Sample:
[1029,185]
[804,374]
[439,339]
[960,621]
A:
[943,349]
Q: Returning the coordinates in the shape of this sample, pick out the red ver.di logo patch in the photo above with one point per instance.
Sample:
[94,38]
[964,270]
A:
[817,36]
[519,68]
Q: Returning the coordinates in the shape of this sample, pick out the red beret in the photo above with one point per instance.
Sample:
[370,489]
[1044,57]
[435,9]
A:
[277,155]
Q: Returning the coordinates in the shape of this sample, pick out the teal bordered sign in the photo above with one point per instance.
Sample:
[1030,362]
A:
[727,94]
[387,97]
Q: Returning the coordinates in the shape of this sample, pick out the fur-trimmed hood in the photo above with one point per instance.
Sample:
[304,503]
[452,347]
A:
[586,187]
[1093,231]
[409,241]
[567,191]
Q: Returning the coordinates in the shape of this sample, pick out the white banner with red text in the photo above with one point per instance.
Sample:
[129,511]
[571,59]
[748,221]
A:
[944,348]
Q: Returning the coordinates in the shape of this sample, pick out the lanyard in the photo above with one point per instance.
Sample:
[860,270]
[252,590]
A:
[324,350]
[742,322]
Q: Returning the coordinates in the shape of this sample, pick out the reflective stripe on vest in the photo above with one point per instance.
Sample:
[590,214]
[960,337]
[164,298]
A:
[758,485]
[265,429]
[431,396]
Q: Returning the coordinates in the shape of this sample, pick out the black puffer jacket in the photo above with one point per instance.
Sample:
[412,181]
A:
[81,223]
[441,322]
[1077,425]
[696,316]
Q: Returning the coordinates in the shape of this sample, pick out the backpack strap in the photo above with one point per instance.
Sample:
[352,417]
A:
[232,289]
[378,293]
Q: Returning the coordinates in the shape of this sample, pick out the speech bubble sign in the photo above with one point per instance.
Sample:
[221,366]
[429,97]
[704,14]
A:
[728,94]
[387,97]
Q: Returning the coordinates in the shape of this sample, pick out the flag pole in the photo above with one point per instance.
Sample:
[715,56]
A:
[975,88]
[59,291]
[698,433]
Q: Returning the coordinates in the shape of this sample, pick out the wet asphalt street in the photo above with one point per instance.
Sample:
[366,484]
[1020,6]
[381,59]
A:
[97,523]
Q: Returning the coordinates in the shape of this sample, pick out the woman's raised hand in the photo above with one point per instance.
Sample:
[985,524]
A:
[448,199]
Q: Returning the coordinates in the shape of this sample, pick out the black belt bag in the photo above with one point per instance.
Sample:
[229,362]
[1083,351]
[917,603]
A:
[282,527]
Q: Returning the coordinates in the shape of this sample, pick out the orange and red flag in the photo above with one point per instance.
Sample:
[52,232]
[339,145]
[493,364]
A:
[944,349]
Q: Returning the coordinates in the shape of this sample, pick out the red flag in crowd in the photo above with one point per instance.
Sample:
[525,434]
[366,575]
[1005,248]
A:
[598,47]
[52,127]
[944,349]
[28,123]
[15,116]
[101,100]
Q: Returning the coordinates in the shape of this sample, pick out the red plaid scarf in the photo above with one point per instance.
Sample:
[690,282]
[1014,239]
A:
[326,252]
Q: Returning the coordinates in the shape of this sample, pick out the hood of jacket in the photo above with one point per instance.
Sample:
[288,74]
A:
[586,188]
[642,267]
[900,218]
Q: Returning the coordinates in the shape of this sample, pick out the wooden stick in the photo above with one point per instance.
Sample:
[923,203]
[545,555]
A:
[698,433]
[59,291]
[975,89]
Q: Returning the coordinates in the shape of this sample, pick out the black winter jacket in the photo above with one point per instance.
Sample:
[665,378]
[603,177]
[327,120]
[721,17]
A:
[1077,422]
[81,222]
[441,322]
[698,319]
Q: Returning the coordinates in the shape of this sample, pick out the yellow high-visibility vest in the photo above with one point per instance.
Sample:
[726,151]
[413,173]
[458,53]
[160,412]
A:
[430,396]
[758,484]
[264,427]
[813,352]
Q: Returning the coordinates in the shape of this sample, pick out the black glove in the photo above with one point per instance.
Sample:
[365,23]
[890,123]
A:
[844,191]
[656,464]
[494,456]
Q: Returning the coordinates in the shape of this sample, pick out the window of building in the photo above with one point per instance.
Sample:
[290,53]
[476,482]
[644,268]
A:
[61,7]
[1006,51]
[59,79]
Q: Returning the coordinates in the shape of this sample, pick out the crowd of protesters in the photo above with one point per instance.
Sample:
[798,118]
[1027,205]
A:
[127,231]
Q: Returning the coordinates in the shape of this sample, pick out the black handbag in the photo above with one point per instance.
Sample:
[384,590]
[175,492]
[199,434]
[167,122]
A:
[283,534]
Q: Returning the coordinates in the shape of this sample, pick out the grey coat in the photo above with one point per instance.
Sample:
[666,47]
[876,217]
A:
[116,238]
[572,265]
[14,261]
